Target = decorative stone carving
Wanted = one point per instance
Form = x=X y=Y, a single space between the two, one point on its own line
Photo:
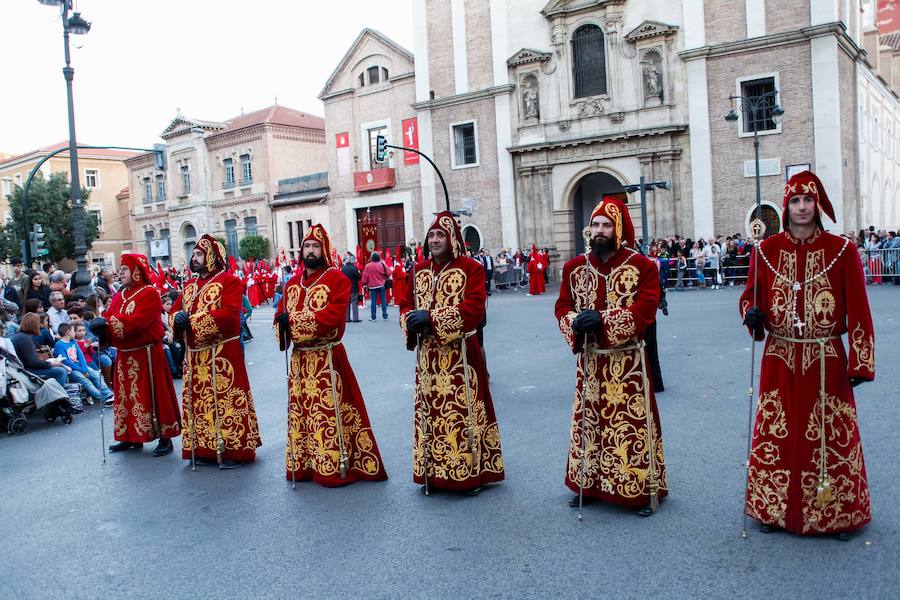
x=652 y=77
x=558 y=39
x=530 y=98
x=590 y=108
x=564 y=125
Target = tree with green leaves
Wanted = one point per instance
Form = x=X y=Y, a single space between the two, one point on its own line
x=50 y=204
x=254 y=246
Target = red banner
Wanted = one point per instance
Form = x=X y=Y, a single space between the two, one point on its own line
x=342 y=140
x=410 y=129
x=369 y=239
x=376 y=179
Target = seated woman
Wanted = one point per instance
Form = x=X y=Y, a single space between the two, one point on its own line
x=67 y=349
x=26 y=350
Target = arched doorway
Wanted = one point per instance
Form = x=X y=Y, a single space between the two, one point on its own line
x=472 y=238
x=588 y=193
x=764 y=222
x=189 y=239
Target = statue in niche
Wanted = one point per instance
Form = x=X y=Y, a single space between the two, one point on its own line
x=530 y=101
x=651 y=66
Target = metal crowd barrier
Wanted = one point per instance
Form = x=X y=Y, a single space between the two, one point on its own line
x=508 y=277
x=881 y=266
x=729 y=272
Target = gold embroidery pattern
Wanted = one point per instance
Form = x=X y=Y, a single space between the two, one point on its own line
x=448 y=323
x=187 y=296
x=848 y=487
x=118 y=327
x=315 y=441
x=565 y=326
x=619 y=326
x=204 y=327
x=819 y=323
x=767 y=500
x=210 y=296
x=441 y=380
x=130 y=308
x=770 y=416
x=863 y=348
x=129 y=401
x=617 y=460
x=622 y=286
x=584 y=287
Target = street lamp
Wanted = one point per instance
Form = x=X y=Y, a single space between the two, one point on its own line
x=751 y=106
x=77 y=25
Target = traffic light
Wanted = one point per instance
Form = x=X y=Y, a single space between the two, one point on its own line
x=159 y=156
x=380 y=149
x=38 y=246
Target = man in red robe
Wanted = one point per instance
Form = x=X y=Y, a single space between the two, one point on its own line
x=330 y=443
x=221 y=425
x=456 y=442
x=806 y=289
x=536 y=280
x=146 y=407
x=607 y=299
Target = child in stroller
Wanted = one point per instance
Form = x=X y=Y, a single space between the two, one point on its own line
x=23 y=393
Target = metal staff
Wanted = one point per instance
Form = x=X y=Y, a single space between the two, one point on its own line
x=190 y=403
x=287 y=377
x=752 y=378
x=102 y=430
x=419 y=400
x=586 y=234
x=344 y=459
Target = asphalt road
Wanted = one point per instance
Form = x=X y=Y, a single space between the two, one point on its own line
x=71 y=527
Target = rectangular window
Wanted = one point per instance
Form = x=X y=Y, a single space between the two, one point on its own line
x=228 y=165
x=250 y=225
x=373 y=75
x=246 y=172
x=290 y=235
x=148 y=191
x=99 y=215
x=185 y=179
x=464 y=149
x=7 y=186
x=761 y=118
x=231 y=236
x=91 y=178
x=160 y=188
x=373 y=145
x=148 y=237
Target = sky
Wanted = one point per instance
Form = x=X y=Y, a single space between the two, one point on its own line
x=142 y=61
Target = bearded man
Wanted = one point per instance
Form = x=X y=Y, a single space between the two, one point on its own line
x=806 y=289
x=330 y=440
x=218 y=404
x=607 y=300
x=145 y=407
x=456 y=441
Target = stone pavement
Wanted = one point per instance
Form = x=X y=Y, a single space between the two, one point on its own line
x=144 y=527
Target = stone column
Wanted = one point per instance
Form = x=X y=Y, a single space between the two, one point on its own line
x=543 y=204
x=525 y=204
x=665 y=205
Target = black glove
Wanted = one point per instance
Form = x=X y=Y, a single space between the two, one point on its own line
x=587 y=321
x=754 y=319
x=182 y=320
x=418 y=321
x=855 y=381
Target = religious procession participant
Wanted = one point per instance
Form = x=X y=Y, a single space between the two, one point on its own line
x=145 y=407
x=537 y=283
x=456 y=442
x=607 y=299
x=330 y=443
x=220 y=421
x=807 y=289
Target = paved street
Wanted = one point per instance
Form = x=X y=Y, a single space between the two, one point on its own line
x=143 y=527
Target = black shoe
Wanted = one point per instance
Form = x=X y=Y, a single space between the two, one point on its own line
x=584 y=501
x=474 y=491
x=357 y=321
x=766 y=528
x=666 y=312
x=843 y=536
x=202 y=462
x=231 y=464
x=122 y=446
x=645 y=512
x=163 y=447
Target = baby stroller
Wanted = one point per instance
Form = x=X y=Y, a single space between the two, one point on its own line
x=23 y=393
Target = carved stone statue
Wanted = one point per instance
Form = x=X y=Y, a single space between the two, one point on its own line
x=530 y=102
x=651 y=66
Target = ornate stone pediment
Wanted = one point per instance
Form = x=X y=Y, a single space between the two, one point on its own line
x=566 y=7
x=651 y=29
x=527 y=56
x=181 y=124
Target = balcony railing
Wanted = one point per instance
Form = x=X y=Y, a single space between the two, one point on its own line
x=247 y=181
x=376 y=179
x=227 y=184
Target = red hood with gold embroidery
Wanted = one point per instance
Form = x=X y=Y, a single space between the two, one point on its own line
x=446 y=222
x=139 y=265
x=613 y=209
x=318 y=234
x=806 y=182
x=214 y=254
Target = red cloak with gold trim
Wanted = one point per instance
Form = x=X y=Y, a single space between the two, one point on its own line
x=214 y=306
x=454 y=295
x=625 y=291
x=146 y=406
x=317 y=309
x=785 y=460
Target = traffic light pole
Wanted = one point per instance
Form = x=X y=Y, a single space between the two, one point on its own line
x=26 y=258
x=431 y=162
x=642 y=187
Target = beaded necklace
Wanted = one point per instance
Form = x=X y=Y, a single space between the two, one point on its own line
x=797 y=285
x=306 y=286
x=605 y=278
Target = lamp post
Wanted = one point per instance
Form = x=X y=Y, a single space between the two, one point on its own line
x=77 y=25
x=643 y=186
x=751 y=106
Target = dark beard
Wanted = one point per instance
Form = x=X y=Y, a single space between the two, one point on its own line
x=602 y=246
x=197 y=268
x=313 y=263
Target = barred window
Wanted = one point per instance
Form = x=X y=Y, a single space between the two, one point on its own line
x=588 y=61
x=761 y=118
x=464 y=148
x=228 y=165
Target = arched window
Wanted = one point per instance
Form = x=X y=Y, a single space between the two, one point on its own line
x=588 y=61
